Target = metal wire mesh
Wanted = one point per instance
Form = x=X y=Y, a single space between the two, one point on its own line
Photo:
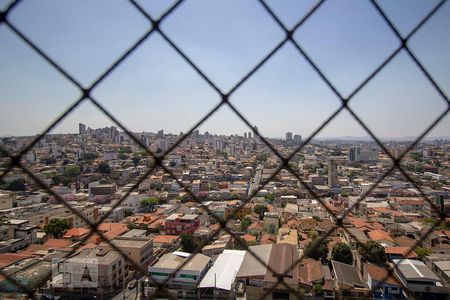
x=155 y=29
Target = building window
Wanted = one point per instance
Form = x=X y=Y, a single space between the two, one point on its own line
x=159 y=274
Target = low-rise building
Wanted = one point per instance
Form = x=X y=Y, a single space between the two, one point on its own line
x=271 y=222
x=387 y=286
x=348 y=281
x=98 y=269
x=177 y=224
x=219 y=280
x=255 y=279
x=185 y=282
x=31 y=273
x=419 y=280
x=138 y=249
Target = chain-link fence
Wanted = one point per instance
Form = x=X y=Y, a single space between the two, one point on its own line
x=158 y=159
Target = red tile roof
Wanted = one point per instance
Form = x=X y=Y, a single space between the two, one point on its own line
x=380 y=235
x=57 y=243
x=76 y=232
x=404 y=251
x=165 y=239
x=309 y=270
x=249 y=238
x=380 y=274
x=10 y=258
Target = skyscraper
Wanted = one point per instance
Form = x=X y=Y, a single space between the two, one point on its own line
x=332 y=174
x=82 y=128
x=288 y=136
x=297 y=139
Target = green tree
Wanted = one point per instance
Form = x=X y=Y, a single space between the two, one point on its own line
x=312 y=234
x=44 y=198
x=125 y=150
x=56 y=227
x=317 y=251
x=342 y=253
x=123 y=156
x=429 y=221
x=16 y=185
x=422 y=252
x=317 y=289
x=372 y=252
x=72 y=171
x=188 y=242
x=136 y=160
x=260 y=210
x=245 y=223
x=150 y=202
x=270 y=197
x=127 y=212
x=344 y=194
x=104 y=168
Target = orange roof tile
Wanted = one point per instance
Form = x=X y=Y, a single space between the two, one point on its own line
x=309 y=270
x=380 y=274
x=255 y=226
x=406 y=252
x=110 y=226
x=165 y=239
x=57 y=243
x=249 y=238
x=268 y=239
x=10 y=258
x=379 y=235
x=76 y=232
x=404 y=241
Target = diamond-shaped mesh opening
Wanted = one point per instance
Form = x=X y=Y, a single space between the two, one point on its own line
x=282 y=279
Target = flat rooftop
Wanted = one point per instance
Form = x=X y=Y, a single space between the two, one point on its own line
x=172 y=261
x=416 y=270
x=130 y=242
x=90 y=256
x=173 y=217
x=135 y=233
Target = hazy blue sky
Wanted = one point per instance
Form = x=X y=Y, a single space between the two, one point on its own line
x=155 y=89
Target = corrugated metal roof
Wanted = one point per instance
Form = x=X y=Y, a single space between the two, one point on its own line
x=251 y=266
x=223 y=273
x=415 y=270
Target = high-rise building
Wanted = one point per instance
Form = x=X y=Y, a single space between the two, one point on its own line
x=144 y=140
x=363 y=155
x=195 y=134
x=249 y=134
x=332 y=174
x=297 y=139
x=354 y=152
x=245 y=135
x=160 y=134
x=81 y=128
x=288 y=136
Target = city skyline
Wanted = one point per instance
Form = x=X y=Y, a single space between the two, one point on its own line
x=365 y=138
x=155 y=88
